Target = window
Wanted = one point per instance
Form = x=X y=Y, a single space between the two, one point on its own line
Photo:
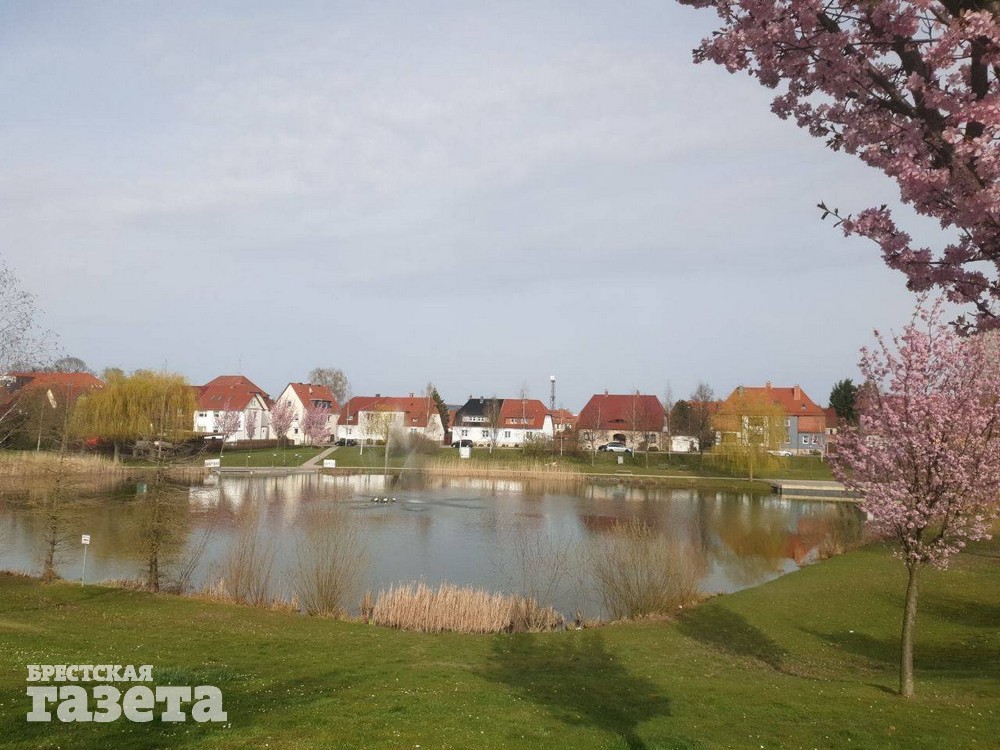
x=465 y=433
x=203 y=414
x=486 y=433
x=506 y=433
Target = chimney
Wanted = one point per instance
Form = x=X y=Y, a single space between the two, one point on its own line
x=605 y=391
x=768 y=385
x=411 y=394
x=797 y=393
x=378 y=395
x=740 y=389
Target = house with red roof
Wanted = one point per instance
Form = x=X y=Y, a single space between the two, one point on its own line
x=805 y=421
x=22 y=393
x=636 y=419
x=367 y=419
x=229 y=394
x=301 y=396
x=502 y=422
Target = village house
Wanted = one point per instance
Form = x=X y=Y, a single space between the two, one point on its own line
x=40 y=398
x=370 y=419
x=232 y=394
x=301 y=396
x=502 y=422
x=635 y=419
x=805 y=421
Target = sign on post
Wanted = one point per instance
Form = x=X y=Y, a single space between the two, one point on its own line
x=621 y=460
x=329 y=463
x=85 y=541
x=213 y=463
x=464 y=451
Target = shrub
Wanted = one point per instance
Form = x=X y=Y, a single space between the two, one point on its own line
x=641 y=573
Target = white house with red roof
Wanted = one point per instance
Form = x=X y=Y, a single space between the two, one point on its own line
x=232 y=393
x=301 y=396
x=635 y=419
x=367 y=418
x=505 y=423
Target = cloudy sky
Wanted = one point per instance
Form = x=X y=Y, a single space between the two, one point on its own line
x=480 y=195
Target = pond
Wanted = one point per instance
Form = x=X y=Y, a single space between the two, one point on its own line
x=501 y=535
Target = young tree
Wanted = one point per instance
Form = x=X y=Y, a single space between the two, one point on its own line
x=227 y=424
x=909 y=87
x=590 y=429
x=282 y=417
x=315 y=423
x=752 y=428
x=842 y=398
x=333 y=379
x=925 y=455
x=492 y=411
x=250 y=426
x=703 y=410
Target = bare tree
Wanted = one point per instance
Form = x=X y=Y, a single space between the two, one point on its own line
x=590 y=429
x=69 y=364
x=333 y=379
x=21 y=342
x=702 y=409
x=492 y=412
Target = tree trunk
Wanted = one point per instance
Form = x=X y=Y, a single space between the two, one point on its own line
x=909 y=626
x=118 y=451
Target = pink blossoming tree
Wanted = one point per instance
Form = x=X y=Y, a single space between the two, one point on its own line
x=925 y=455
x=227 y=424
x=910 y=87
x=282 y=416
x=315 y=423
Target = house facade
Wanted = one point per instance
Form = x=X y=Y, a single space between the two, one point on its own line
x=502 y=422
x=301 y=396
x=636 y=419
x=805 y=421
x=228 y=394
x=369 y=419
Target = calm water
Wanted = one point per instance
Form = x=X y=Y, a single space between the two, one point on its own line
x=494 y=534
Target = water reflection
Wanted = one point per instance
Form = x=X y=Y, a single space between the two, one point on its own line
x=509 y=535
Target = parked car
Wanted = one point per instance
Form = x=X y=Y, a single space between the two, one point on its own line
x=346 y=442
x=780 y=453
x=614 y=447
x=463 y=443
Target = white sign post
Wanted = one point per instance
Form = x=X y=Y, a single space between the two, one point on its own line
x=329 y=463
x=85 y=541
x=213 y=463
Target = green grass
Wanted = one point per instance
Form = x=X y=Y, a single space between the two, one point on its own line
x=277 y=457
x=807 y=661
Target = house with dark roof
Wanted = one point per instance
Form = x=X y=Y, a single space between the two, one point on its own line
x=301 y=396
x=805 y=421
x=636 y=419
x=49 y=392
x=232 y=394
x=502 y=422
x=369 y=419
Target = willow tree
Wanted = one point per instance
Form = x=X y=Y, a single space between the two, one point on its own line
x=752 y=428
x=147 y=405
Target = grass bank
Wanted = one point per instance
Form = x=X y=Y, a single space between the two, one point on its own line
x=807 y=661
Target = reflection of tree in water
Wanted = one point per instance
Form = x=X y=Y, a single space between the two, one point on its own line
x=747 y=538
x=581 y=683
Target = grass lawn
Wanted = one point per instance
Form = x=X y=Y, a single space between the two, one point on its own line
x=290 y=456
x=807 y=661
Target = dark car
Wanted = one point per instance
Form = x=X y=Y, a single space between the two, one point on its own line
x=346 y=442
x=464 y=443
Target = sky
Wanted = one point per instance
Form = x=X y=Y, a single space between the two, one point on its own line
x=478 y=195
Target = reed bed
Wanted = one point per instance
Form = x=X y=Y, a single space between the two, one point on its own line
x=454 y=466
x=34 y=464
x=220 y=592
x=451 y=608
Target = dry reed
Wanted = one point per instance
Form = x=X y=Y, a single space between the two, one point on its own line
x=30 y=463
x=457 y=609
x=248 y=567
x=641 y=573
